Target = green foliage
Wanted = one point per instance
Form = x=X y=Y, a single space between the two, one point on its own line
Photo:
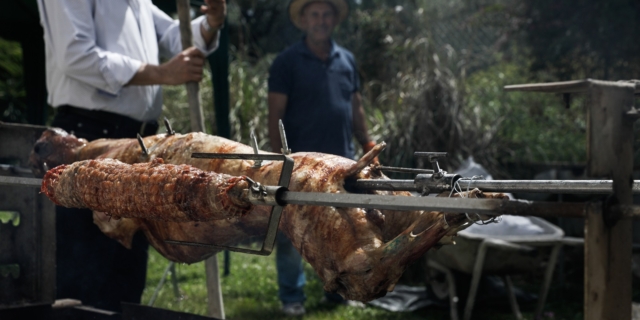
x=413 y=90
x=418 y=97
x=250 y=292
x=176 y=105
x=522 y=127
x=12 y=92
x=248 y=102
x=12 y=217
x=578 y=39
x=249 y=108
x=260 y=27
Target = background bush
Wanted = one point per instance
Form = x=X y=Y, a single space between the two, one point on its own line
x=419 y=94
x=432 y=74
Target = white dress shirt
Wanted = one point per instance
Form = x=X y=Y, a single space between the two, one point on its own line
x=95 y=47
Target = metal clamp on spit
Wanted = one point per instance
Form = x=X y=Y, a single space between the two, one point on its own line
x=265 y=195
x=437 y=182
x=258 y=193
x=425 y=182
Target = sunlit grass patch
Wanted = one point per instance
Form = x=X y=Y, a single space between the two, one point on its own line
x=251 y=292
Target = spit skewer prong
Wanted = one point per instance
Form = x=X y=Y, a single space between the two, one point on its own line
x=167 y=125
x=406 y=170
x=145 y=151
x=433 y=158
x=254 y=144
x=283 y=137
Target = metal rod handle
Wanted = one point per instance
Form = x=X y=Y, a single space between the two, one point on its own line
x=19 y=181
x=453 y=205
x=523 y=186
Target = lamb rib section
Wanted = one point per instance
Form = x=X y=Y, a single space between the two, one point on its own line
x=154 y=190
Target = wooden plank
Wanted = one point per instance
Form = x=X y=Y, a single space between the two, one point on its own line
x=552 y=87
x=46 y=211
x=608 y=242
x=31 y=244
x=609 y=133
x=607 y=268
x=574 y=86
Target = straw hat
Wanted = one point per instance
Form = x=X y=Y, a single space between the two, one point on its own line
x=295 y=9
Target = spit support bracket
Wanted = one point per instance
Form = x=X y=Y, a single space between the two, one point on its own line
x=263 y=195
x=436 y=183
x=439 y=180
x=433 y=158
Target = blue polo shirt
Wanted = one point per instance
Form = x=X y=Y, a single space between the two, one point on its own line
x=318 y=115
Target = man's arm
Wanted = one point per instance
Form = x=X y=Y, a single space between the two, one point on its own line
x=70 y=35
x=360 y=123
x=187 y=65
x=215 y=12
x=184 y=67
x=168 y=30
x=277 y=106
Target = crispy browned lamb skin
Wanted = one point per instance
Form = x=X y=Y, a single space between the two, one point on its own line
x=357 y=253
x=154 y=190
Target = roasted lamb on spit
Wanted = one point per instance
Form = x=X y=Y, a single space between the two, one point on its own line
x=357 y=253
x=152 y=190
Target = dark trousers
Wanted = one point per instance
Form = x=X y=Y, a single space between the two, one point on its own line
x=92 y=267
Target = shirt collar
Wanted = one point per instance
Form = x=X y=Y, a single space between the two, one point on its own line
x=303 y=49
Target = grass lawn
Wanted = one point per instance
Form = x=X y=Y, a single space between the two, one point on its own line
x=250 y=292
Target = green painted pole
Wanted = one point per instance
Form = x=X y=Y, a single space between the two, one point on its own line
x=219 y=63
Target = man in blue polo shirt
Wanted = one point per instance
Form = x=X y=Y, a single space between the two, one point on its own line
x=314 y=88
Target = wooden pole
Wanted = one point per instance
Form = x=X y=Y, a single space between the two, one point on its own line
x=219 y=63
x=215 y=306
x=608 y=240
x=214 y=293
x=193 y=89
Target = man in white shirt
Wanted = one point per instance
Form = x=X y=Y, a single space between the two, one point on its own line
x=103 y=77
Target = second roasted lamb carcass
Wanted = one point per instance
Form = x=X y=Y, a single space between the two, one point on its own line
x=357 y=253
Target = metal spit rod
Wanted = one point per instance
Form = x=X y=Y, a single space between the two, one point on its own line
x=20 y=181
x=529 y=186
x=453 y=205
x=493 y=207
x=549 y=186
x=278 y=196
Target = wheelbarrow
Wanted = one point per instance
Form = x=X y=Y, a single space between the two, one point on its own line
x=482 y=250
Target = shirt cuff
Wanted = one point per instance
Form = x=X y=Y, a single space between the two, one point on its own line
x=117 y=70
x=198 y=40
